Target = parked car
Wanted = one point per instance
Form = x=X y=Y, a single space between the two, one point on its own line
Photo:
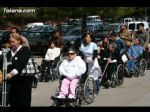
x=4 y=36
x=73 y=38
x=31 y=25
x=64 y=27
x=99 y=35
x=115 y=27
x=134 y=25
x=94 y=26
x=38 y=38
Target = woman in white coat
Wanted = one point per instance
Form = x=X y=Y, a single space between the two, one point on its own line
x=71 y=69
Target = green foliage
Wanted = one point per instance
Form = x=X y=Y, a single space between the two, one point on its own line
x=59 y=13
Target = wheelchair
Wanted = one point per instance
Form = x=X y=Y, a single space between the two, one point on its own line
x=50 y=73
x=67 y=102
x=141 y=67
x=84 y=94
x=116 y=78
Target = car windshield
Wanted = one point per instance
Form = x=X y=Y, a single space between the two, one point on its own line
x=132 y=26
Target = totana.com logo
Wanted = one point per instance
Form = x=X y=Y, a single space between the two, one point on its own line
x=6 y=10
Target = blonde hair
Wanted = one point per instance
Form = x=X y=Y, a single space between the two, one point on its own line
x=16 y=37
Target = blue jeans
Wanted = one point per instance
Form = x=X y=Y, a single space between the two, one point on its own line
x=131 y=65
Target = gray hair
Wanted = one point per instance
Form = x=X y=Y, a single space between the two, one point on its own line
x=114 y=45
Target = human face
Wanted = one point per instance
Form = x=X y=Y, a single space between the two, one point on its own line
x=14 y=43
x=71 y=55
x=13 y=31
x=136 y=42
x=87 y=39
x=111 y=47
x=52 y=45
x=140 y=28
x=113 y=38
x=105 y=39
x=123 y=27
x=57 y=34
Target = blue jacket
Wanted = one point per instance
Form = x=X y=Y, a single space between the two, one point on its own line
x=135 y=51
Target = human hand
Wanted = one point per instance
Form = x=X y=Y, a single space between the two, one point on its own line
x=102 y=48
x=8 y=76
x=98 y=57
x=109 y=59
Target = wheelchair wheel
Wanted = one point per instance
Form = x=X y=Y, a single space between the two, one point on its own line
x=114 y=80
x=104 y=82
x=126 y=72
x=79 y=96
x=120 y=75
x=57 y=69
x=89 y=87
x=142 y=67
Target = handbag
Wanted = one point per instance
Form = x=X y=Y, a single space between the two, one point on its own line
x=31 y=68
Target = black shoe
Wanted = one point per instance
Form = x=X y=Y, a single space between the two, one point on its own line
x=34 y=84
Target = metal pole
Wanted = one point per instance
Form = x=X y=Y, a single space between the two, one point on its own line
x=4 y=78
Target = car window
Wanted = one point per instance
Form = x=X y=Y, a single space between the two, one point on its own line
x=50 y=29
x=45 y=29
x=131 y=26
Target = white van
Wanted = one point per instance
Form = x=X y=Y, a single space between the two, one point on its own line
x=134 y=25
x=126 y=20
x=93 y=18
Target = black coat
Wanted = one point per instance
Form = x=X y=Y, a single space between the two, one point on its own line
x=19 y=62
x=20 y=87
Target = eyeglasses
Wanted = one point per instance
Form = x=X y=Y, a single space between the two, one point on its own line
x=71 y=53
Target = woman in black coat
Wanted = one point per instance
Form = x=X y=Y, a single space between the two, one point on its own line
x=20 y=86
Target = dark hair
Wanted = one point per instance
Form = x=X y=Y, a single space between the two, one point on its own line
x=140 y=24
x=17 y=30
x=114 y=33
x=55 y=31
x=53 y=40
x=72 y=49
x=88 y=32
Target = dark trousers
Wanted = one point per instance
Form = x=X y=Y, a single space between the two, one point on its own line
x=19 y=94
x=109 y=70
x=97 y=84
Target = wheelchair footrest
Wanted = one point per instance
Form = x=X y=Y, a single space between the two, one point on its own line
x=64 y=99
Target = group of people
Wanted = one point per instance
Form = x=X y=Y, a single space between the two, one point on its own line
x=112 y=48
x=89 y=61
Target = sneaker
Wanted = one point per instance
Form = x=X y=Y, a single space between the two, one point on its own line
x=61 y=96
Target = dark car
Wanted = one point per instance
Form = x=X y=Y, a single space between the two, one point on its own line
x=99 y=35
x=64 y=27
x=38 y=38
x=73 y=38
x=4 y=36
